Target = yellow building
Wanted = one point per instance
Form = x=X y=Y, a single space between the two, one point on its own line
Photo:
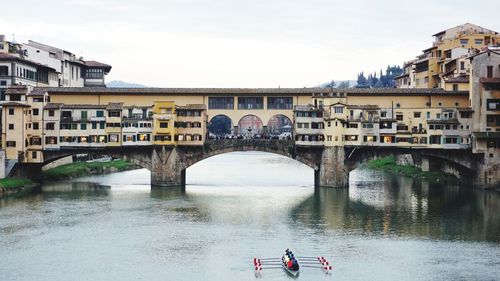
x=164 y=130
x=444 y=64
x=191 y=124
x=114 y=124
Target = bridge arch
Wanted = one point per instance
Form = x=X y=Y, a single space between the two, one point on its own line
x=279 y=124
x=250 y=125
x=220 y=125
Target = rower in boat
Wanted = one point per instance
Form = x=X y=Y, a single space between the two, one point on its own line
x=290 y=263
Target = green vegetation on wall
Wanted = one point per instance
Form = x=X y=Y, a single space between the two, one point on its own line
x=81 y=169
x=389 y=164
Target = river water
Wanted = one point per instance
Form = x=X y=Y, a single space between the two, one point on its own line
x=243 y=205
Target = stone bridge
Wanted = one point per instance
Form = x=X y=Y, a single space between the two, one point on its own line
x=331 y=165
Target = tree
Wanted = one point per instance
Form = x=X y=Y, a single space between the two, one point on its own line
x=343 y=85
x=362 y=82
x=331 y=84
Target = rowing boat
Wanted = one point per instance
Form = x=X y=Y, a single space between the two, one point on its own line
x=284 y=260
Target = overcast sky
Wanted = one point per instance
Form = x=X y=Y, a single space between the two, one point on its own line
x=233 y=43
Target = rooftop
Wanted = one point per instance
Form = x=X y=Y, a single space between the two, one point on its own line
x=53 y=106
x=246 y=91
x=16 y=90
x=114 y=106
x=96 y=64
x=83 y=106
x=191 y=106
x=11 y=103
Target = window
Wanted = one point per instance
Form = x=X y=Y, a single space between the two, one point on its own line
x=338 y=109
x=399 y=116
x=491 y=104
x=94 y=73
x=4 y=70
x=11 y=111
x=114 y=114
x=50 y=126
x=51 y=113
x=101 y=125
x=368 y=125
x=416 y=114
x=35 y=141
x=113 y=138
x=113 y=125
x=221 y=103
x=279 y=103
x=83 y=126
x=489 y=71
x=83 y=115
x=66 y=114
x=450 y=140
x=455 y=87
x=36 y=126
x=11 y=126
x=464 y=41
x=351 y=137
x=386 y=125
x=143 y=137
x=99 y=113
x=35 y=111
x=250 y=102
x=50 y=140
x=163 y=138
x=398 y=105
x=435 y=139
x=428 y=115
x=383 y=114
x=94 y=125
x=11 y=144
x=163 y=124
x=33 y=154
x=478 y=41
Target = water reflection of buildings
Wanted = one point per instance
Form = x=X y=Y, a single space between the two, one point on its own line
x=410 y=209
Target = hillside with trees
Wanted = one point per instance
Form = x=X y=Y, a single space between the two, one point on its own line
x=382 y=81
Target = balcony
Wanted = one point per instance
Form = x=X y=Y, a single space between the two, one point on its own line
x=97 y=119
x=164 y=116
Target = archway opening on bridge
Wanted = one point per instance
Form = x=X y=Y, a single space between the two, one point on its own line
x=250 y=126
x=220 y=126
x=279 y=125
x=267 y=169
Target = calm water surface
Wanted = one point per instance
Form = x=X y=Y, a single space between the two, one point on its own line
x=243 y=205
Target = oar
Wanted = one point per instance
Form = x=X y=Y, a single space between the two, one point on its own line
x=311 y=261
x=259 y=263
x=310 y=257
x=323 y=267
x=267 y=258
x=257 y=268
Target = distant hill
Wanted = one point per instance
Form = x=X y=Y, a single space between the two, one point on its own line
x=351 y=83
x=122 y=84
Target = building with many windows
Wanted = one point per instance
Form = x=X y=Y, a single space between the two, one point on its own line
x=308 y=129
x=40 y=65
x=445 y=64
